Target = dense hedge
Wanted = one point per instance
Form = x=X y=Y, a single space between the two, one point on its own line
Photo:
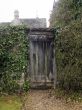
x=69 y=56
x=13 y=57
x=67 y=18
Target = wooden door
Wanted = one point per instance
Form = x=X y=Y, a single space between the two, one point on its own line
x=41 y=60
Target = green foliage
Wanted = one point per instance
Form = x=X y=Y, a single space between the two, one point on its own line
x=69 y=57
x=68 y=96
x=66 y=11
x=26 y=86
x=13 y=56
x=68 y=19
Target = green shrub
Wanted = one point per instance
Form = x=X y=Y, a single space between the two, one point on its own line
x=69 y=56
x=13 y=56
x=26 y=86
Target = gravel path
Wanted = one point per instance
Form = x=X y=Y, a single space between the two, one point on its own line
x=45 y=100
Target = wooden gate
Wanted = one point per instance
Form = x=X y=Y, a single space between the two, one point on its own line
x=42 y=58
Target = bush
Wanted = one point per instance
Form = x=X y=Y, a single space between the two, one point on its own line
x=69 y=56
x=13 y=56
x=26 y=86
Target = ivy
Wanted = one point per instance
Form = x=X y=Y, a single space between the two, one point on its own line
x=13 y=56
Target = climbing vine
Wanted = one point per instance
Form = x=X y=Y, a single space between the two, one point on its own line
x=13 y=57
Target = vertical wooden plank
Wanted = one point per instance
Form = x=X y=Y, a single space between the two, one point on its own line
x=36 y=74
x=34 y=61
x=48 y=59
x=51 y=63
x=45 y=62
x=43 y=48
x=40 y=61
x=54 y=68
x=31 y=74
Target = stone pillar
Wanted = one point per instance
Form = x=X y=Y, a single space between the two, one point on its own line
x=16 y=20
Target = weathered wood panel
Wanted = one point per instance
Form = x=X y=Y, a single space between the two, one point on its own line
x=42 y=58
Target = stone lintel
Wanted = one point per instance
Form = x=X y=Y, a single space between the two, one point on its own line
x=45 y=34
x=40 y=30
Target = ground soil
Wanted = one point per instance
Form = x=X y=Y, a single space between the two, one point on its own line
x=46 y=100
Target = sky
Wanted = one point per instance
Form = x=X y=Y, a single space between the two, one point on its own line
x=26 y=8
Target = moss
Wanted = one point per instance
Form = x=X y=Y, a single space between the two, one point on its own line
x=10 y=103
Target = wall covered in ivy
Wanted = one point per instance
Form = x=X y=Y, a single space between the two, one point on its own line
x=13 y=57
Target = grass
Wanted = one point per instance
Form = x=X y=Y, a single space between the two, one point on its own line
x=9 y=102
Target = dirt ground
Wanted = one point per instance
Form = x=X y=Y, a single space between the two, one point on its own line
x=45 y=100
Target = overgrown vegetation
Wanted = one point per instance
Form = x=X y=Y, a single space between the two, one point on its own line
x=68 y=96
x=13 y=57
x=67 y=18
